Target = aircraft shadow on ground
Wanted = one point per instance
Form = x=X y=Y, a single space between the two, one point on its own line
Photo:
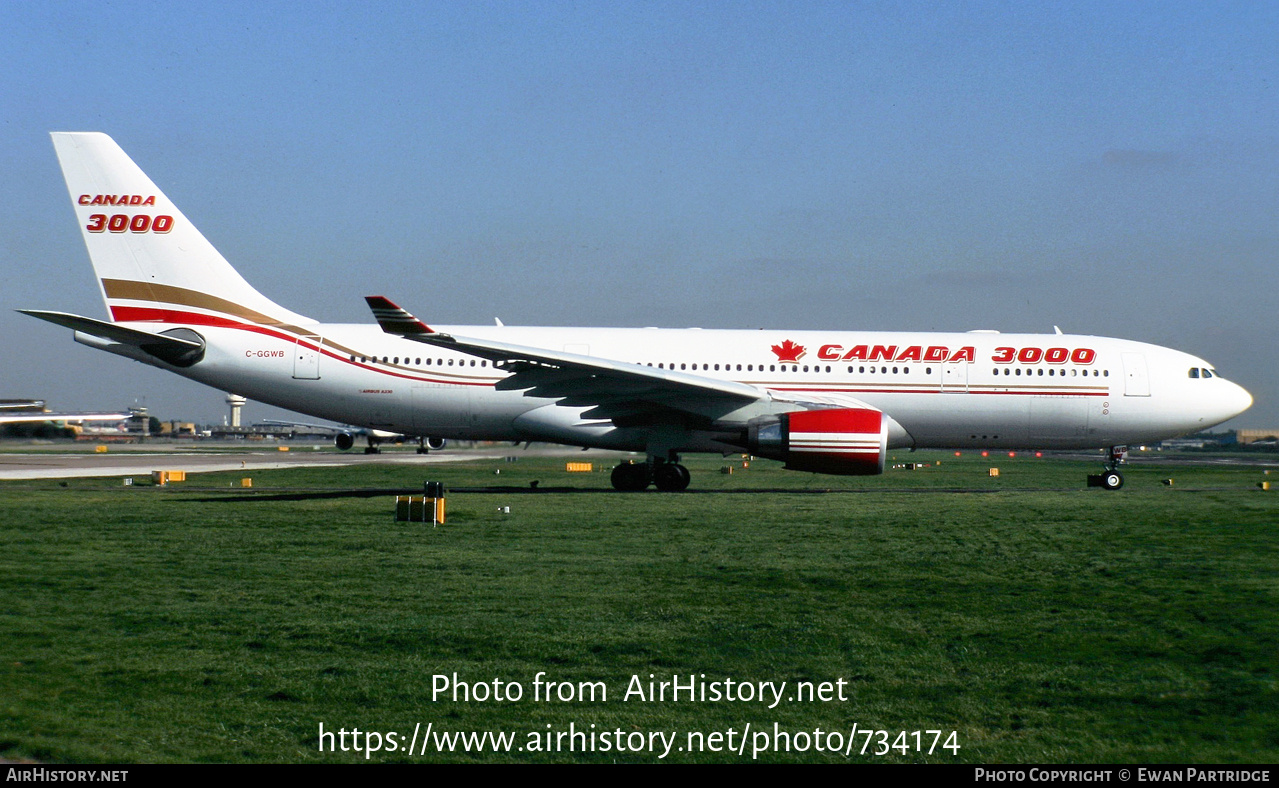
x=312 y=495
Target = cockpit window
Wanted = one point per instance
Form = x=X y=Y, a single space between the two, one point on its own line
x=1207 y=373
x=1200 y=372
x=1194 y=372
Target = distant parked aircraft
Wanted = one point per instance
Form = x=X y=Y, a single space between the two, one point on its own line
x=346 y=435
x=14 y=411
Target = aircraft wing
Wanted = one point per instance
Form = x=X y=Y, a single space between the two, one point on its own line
x=616 y=390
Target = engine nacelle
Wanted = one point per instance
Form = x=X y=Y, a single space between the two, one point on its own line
x=435 y=444
x=344 y=440
x=843 y=441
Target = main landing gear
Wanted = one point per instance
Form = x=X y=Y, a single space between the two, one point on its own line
x=665 y=475
x=1112 y=479
x=426 y=444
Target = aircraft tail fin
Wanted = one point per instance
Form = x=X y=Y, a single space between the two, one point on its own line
x=151 y=263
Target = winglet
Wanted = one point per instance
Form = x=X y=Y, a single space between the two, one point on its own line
x=395 y=320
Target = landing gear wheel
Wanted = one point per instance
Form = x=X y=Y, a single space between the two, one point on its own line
x=1112 y=479
x=372 y=450
x=629 y=477
x=671 y=477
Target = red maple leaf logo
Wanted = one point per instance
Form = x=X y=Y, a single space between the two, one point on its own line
x=788 y=351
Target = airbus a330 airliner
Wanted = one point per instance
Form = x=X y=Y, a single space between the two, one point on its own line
x=821 y=401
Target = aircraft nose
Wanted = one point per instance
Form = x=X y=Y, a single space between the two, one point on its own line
x=1240 y=400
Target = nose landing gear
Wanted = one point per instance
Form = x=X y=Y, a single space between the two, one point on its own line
x=1112 y=479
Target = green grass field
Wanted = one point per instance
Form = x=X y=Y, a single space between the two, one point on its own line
x=1039 y=620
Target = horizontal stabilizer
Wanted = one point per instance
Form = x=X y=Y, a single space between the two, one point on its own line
x=179 y=351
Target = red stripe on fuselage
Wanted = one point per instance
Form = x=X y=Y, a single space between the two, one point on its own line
x=137 y=314
x=144 y=314
x=852 y=389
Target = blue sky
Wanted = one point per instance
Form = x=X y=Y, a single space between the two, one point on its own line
x=1109 y=168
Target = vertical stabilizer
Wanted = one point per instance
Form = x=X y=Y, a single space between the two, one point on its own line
x=151 y=263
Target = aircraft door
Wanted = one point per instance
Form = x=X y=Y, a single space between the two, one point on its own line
x=306 y=358
x=1136 y=376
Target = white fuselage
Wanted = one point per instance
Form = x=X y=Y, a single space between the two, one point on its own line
x=978 y=389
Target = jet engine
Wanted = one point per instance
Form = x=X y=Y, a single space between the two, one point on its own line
x=344 y=440
x=843 y=441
